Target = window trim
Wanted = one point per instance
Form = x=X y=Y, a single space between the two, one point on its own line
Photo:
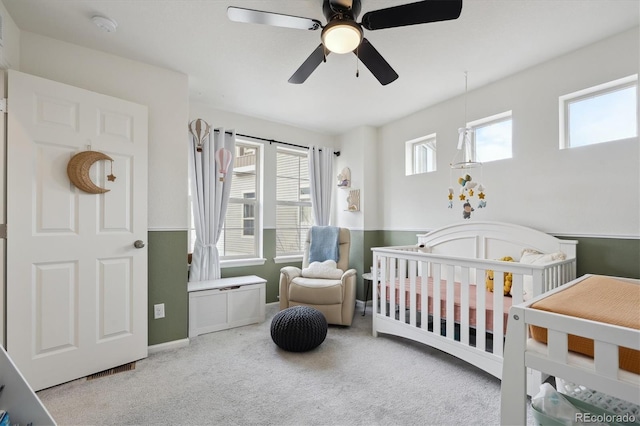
x=410 y=145
x=590 y=92
x=485 y=122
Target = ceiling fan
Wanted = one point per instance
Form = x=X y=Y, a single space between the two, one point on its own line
x=342 y=34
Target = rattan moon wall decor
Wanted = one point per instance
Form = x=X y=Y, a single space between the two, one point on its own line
x=78 y=171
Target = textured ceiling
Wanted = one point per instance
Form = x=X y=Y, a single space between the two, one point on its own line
x=244 y=68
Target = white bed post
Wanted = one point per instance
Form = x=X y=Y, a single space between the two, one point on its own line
x=514 y=373
x=377 y=270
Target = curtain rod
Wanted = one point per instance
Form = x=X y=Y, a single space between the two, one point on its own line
x=336 y=153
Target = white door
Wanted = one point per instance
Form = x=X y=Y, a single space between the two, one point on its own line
x=76 y=284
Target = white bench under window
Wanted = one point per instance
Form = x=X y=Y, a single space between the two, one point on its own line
x=224 y=303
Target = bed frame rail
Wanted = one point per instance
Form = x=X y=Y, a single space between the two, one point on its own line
x=602 y=374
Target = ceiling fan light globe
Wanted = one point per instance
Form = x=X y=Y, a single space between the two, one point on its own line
x=342 y=36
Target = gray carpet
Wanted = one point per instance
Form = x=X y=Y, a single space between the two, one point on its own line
x=240 y=377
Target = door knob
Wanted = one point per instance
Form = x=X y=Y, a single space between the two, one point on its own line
x=138 y=244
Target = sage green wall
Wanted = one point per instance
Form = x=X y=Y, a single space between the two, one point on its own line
x=608 y=256
x=167 y=252
x=168 y=271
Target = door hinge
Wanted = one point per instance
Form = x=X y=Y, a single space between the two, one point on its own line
x=3 y=231
x=3 y=105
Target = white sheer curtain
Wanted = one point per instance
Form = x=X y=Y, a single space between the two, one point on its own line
x=321 y=183
x=210 y=197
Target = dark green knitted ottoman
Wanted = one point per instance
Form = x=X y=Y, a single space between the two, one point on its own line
x=298 y=329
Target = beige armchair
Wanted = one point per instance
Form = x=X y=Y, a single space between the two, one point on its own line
x=335 y=298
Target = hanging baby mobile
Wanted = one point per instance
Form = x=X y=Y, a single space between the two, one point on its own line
x=468 y=188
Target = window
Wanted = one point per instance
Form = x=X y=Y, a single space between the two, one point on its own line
x=248 y=215
x=604 y=113
x=420 y=155
x=241 y=233
x=491 y=138
x=293 y=202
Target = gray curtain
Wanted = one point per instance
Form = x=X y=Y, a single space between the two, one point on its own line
x=321 y=183
x=209 y=197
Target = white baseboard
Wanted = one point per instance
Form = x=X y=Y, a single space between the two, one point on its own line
x=174 y=344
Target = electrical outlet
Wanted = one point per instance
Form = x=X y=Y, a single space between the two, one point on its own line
x=158 y=311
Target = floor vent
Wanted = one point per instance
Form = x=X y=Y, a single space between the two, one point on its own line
x=111 y=371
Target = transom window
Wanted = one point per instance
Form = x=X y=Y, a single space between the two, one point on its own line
x=603 y=113
x=420 y=155
x=293 y=201
x=491 y=138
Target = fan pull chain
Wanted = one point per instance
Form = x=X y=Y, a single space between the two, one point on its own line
x=357 y=63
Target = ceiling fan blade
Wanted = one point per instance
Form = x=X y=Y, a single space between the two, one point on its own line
x=309 y=65
x=420 y=12
x=378 y=66
x=238 y=14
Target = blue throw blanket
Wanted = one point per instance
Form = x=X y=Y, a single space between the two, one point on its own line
x=324 y=244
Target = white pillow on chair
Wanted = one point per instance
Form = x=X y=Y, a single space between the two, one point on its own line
x=327 y=269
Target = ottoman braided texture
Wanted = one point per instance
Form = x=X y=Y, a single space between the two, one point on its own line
x=298 y=329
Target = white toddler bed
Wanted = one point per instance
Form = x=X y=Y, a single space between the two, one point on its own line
x=601 y=372
x=445 y=265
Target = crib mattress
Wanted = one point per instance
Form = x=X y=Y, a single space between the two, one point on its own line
x=596 y=298
x=506 y=301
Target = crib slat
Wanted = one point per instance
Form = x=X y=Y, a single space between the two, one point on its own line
x=392 y=292
x=437 y=274
x=402 y=276
x=424 y=301
x=451 y=319
x=498 y=313
x=412 y=292
x=464 y=306
x=383 y=288
x=481 y=313
x=516 y=289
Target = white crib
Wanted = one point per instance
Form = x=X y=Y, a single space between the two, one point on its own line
x=446 y=264
x=600 y=373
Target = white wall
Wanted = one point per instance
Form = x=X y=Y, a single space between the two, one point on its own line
x=359 y=154
x=10 y=57
x=263 y=129
x=582 y=191
x=164 y=92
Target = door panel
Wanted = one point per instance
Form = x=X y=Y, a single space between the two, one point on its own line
x=76 y=285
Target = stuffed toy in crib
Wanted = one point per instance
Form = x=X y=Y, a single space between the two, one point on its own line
x=508 y=278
